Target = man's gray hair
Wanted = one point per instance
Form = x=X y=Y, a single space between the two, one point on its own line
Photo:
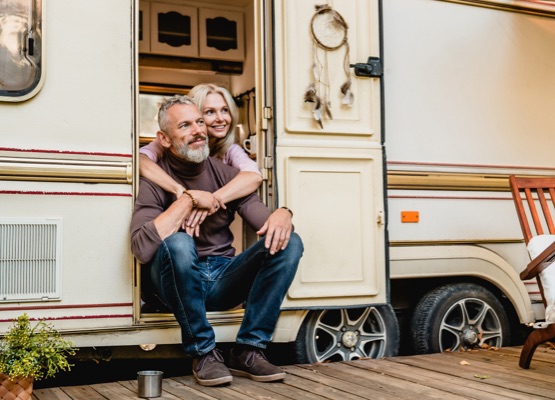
x=166 y=104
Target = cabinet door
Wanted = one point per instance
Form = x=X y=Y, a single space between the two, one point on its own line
x=221 y=34
x=173 y=30
x=144 y=27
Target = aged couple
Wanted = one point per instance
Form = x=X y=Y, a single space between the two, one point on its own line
x=194 y=179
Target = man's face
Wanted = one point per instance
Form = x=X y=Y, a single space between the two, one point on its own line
x=186 y=136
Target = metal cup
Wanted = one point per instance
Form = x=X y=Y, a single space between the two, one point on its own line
x=149 y=383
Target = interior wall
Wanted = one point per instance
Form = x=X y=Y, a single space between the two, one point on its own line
x=246 y=81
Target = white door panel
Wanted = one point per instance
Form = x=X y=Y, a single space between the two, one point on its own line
x=339 y=215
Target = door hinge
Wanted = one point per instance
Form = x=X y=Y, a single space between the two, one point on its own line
x=267 y=114
x=268 y=162
x=380 y=219
x=371 y=69
x=268 y=165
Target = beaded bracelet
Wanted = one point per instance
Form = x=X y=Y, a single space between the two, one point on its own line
x=192 y=198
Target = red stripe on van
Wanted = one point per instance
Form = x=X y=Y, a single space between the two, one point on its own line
x=92 y=153
x=59 y=306
x=64 y=193
x=108 y=316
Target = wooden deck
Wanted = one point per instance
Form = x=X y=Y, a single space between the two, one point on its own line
x=480 y=374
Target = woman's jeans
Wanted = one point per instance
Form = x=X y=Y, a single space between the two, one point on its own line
x=190 y=286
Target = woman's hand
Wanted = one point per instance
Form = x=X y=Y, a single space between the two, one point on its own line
x=207 y=204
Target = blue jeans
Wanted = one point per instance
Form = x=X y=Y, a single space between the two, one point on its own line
x=190 y=286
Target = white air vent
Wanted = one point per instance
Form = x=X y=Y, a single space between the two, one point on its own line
x=30 y=259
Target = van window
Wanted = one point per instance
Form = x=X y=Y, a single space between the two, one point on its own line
x=20 y=49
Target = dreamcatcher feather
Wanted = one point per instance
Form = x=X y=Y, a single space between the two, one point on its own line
x=329 y=32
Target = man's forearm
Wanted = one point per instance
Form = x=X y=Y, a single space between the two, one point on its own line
x=171 y=220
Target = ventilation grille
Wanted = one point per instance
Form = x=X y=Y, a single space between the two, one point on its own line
x=29 y=259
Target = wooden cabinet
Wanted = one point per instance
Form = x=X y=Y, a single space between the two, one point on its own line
x=221 y=34
x=173 y=30
x=188 y=31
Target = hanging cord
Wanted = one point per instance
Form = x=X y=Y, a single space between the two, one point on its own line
x=348 y=97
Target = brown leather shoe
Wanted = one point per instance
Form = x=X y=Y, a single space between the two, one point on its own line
x=210 y=370
x=253 y=364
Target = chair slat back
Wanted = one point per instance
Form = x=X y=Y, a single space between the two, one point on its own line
x=527 y=192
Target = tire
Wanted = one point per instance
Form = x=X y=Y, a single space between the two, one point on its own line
x=458 y=317
x=348 y=334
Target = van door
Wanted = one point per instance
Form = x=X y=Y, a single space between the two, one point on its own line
x=321 y=137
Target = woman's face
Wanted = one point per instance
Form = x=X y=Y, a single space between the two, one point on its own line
x=216 y=115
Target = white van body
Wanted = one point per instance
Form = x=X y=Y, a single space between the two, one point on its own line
x=399 y=194
x=467 y=101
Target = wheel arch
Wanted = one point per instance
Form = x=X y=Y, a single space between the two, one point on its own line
x=438 y=265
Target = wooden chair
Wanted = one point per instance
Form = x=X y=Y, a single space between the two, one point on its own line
x=527 y=193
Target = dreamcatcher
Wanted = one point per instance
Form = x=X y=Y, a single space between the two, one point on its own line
x=329 y=33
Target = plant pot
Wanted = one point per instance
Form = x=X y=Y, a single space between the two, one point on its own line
x=15 y=389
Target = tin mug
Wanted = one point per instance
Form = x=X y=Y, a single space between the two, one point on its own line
x=149 y=383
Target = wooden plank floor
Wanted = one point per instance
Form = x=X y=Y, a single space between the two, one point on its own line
x=480 y=374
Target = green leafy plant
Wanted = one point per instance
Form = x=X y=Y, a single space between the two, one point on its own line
x=37 y=351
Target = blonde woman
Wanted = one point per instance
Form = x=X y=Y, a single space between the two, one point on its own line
x=220 y=116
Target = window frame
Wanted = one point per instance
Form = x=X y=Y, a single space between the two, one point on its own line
x=32 y=51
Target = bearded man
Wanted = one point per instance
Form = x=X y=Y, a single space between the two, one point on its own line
x=192 y=274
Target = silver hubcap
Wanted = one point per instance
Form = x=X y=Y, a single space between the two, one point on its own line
x=469 y=323
x=470 y=337
x=342 y=335
x=349 y=339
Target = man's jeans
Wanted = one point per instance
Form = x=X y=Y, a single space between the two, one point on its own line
x=190 y=287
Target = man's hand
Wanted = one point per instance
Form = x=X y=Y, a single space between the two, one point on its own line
x=172 y=219
x=277 y=228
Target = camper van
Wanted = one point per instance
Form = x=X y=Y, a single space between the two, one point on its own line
x=389 y=127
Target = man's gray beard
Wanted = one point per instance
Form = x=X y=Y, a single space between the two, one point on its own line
x=194 y=155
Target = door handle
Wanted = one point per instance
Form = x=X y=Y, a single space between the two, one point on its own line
x=371 y=69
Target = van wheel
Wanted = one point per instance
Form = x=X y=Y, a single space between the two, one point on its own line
x=348 y=334
x=458 y=317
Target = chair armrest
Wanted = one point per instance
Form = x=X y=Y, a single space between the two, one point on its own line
x=538 y=264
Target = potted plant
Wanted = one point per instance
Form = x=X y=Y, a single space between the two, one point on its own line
x=28 y=353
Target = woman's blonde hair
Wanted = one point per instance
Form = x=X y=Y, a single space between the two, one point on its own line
x=218 y=147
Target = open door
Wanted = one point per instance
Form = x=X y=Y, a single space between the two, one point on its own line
x=322 y=143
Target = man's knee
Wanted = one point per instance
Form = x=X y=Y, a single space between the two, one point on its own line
x=295 y=245
x=179 y=243
x=292 y=254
